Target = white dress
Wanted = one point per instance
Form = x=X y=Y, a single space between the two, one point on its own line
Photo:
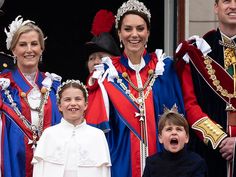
x=65 y=150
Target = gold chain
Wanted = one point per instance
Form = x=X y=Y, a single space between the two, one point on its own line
x=39 y=108
x=140 y=101
x=37 y=131
x=148 y=84
x=215 y=81
x=126 y=77
x=227 y=44
x=229 y=52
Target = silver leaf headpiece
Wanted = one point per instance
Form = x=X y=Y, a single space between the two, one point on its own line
x=174 y=109
x=13 y=27
x=132 y=5
x=70 y=82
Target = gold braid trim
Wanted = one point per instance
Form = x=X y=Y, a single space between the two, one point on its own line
x=215 y=81
x=211 y=131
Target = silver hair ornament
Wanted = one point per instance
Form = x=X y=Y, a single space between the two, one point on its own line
x=129 y=6
x=69 y=82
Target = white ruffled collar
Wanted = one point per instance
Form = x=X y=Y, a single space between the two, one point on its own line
x=30 y=77
x=111 y=73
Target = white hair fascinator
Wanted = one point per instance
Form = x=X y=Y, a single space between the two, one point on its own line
x=13 y=27
x=68 y=82
x=129 y=6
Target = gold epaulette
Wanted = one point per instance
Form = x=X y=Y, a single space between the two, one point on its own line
x=211 y=131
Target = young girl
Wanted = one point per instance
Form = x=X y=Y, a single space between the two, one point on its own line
x=72 y=148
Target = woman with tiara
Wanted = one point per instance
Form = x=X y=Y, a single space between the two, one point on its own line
x=27 y=99
x=134 y=88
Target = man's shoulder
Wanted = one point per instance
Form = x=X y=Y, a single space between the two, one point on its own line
x=210 y=35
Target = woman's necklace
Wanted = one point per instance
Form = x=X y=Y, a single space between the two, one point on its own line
x=141 y=105
x=140 y=100
x=36 y=130
x=37 y=108
x=148 y=84
x=44 y=94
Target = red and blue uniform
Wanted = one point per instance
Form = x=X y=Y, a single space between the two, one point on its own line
x=122 y=124
x=16 y=152
x=207 y=87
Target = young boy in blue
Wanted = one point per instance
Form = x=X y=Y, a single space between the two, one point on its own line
x=175 y=160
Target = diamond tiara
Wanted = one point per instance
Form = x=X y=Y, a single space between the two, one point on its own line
x=67 y=82
x=13 y=27
x=132 y=5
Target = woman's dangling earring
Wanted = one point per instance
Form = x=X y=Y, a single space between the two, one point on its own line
x=14 y=59
x=146 y=44
x=41 y=58
x=121 y=46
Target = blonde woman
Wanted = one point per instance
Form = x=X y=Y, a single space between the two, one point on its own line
x=28 y=99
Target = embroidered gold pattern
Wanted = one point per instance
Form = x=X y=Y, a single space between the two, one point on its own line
x=210 y=131
x=215 y=81
x=230 y=58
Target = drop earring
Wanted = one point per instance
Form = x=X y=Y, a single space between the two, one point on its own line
x=121 y=46
x=41 y=58
x=146 y=44
x=14 y=59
